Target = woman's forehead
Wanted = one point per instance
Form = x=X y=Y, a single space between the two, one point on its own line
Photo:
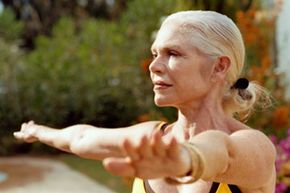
x=170 y=35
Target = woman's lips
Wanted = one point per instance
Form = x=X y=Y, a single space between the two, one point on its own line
x=159 y=85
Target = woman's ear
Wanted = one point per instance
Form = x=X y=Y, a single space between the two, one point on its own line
x=221 y=67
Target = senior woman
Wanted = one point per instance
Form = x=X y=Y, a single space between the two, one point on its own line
x=198 y=58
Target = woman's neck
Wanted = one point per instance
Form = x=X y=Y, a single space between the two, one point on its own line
x=205 y=115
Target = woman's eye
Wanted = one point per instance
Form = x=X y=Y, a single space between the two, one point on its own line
x=173 y=53
x=154 y=55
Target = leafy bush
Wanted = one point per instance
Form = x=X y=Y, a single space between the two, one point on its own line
x=78 y=77
x=10 y=62
x=10 y=29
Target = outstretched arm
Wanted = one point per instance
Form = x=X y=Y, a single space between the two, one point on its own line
x=85 y=140
x=245 y=158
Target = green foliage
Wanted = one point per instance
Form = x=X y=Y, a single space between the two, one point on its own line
x=9 y=28
x=10 y=63
x=78 y=77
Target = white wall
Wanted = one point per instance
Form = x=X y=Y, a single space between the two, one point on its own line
x=283 y=42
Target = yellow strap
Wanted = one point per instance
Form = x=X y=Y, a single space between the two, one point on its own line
x=223 y=188
x=138 y=186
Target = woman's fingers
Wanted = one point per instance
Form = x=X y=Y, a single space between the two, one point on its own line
x=23 y=126
x=27 y=132
x=154 y=147
x=150 y=158
x=18 y=135
x=173 y=148
x=130 y=150
x=145 y=149
x=31 y=122
x=119 y=166
x=24 y=137
x=136 y=152
x=158 y=145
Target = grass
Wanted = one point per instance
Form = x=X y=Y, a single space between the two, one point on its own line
x=95 y=170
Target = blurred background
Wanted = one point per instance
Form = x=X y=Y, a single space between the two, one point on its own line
x=86 y=61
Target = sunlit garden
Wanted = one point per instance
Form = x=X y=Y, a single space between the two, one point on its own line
x=83 y=61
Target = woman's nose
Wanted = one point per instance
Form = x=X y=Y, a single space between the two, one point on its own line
x=156 y=66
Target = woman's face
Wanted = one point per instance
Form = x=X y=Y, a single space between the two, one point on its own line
x=180 y=73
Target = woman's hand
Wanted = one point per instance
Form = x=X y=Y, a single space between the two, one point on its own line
x=27 y=132
x=153 y=157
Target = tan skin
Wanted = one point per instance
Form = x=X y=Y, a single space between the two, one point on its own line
x=191 y=81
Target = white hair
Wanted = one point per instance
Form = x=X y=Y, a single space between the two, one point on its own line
x=217 y=35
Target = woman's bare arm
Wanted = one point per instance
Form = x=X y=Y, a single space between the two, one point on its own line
x=245 y=158
x=85 y=140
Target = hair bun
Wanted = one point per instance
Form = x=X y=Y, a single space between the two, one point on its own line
x=241 y=83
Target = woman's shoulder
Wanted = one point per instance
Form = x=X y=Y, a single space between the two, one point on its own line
x=239 y=128
x=242 y=131
x=255 y=138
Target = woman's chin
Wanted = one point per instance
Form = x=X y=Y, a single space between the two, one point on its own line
x=162 y=103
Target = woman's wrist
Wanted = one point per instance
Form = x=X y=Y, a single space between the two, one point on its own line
x=195 y=169
x=197 y=160
x=187 y=162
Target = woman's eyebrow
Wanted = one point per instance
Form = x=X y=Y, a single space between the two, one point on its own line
x=174 y=47
x=167 y=47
